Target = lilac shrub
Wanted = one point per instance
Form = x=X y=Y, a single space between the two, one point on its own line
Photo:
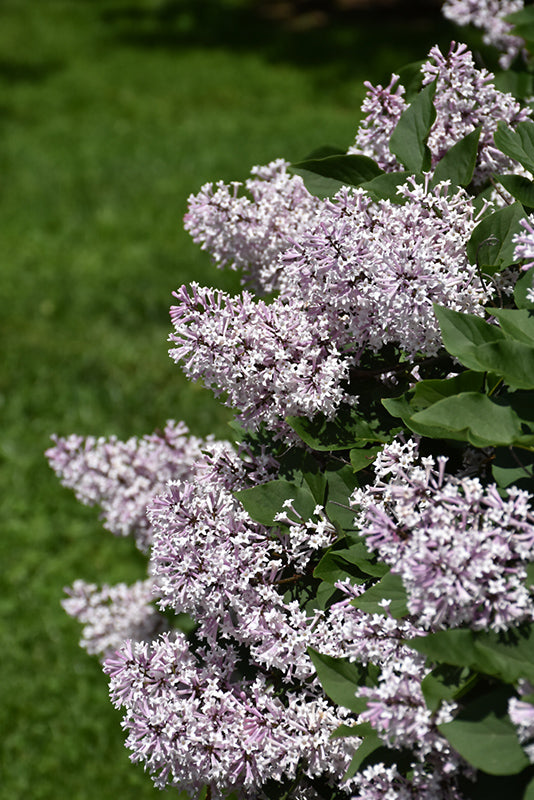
x=339 y=604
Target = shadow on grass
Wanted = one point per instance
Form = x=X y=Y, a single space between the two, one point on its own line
x=19 y=71
x=344 y=41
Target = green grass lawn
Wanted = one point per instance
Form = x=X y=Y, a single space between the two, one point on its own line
x=111 y=114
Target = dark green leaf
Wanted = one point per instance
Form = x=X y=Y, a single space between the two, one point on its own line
x=446 y=682
x=341 y=483
x=512 y=466
x=263 y=502
x=408 y=140
x=458 y=163
x=350 y=170
x=323 y=177
x=484 y=735
x=385 y=187
x=345 y=731
x=361 y=459
x=508 y=656
x=340 y=680
x=411 y=77
x=471 y=417
x=491 y=244
x=518 y=143
x=349 y=429
x=426 y=393
x=520 y=84
x=356 y=561
x=521 y=188
x=522 y=286
x=325 y=150
x=391 y=588
x=370 y=743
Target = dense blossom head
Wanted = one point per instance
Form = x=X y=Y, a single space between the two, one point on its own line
x=461 y=549
x=122 y=477
x=490 y=17
x=192 y=721
x=112 y=614
x=363 y=275
x=248 y=232
x=465 y=99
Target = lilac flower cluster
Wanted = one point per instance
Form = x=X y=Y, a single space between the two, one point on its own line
x=193 y=720
x=362 y=275
x=490 y=17
x=248 y=233
x=122 y=477
x=465 y=99
x=113 y=614
x=461 y=549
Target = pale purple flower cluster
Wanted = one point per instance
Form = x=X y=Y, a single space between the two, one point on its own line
x=490 y=17
x=112 y=614
x=380 y=782
x=362 y=275
x=465 y=99
x=268 y=361
x=194 y=720
x=461 y=549
x=122 y=477
x=249 y=232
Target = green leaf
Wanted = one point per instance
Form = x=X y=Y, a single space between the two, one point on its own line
x=385 y=186
x=484 y=735
x=491 y=244
x=471 y=417
x=520 y=84
x=350 y=170
x=518 y=324
x=458 y=163
x=408 y=140
x=391 y=588
x=362 y=459
x=340 y=679
x=446 y=682
x=486 y=348
x=518 y=143
x=264 y=502
x=529 y=791
x=356 y=561
x=513 y=467
x=521 y=188
x=522 y=286
x=370 y=744
x=349 y=429
x=411 y=77
x=462 y=334
x=508 y=656
x=324 y=177
x=341 y=483
x=426 y=393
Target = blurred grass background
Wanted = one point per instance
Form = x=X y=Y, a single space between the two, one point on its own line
x=111 y=113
